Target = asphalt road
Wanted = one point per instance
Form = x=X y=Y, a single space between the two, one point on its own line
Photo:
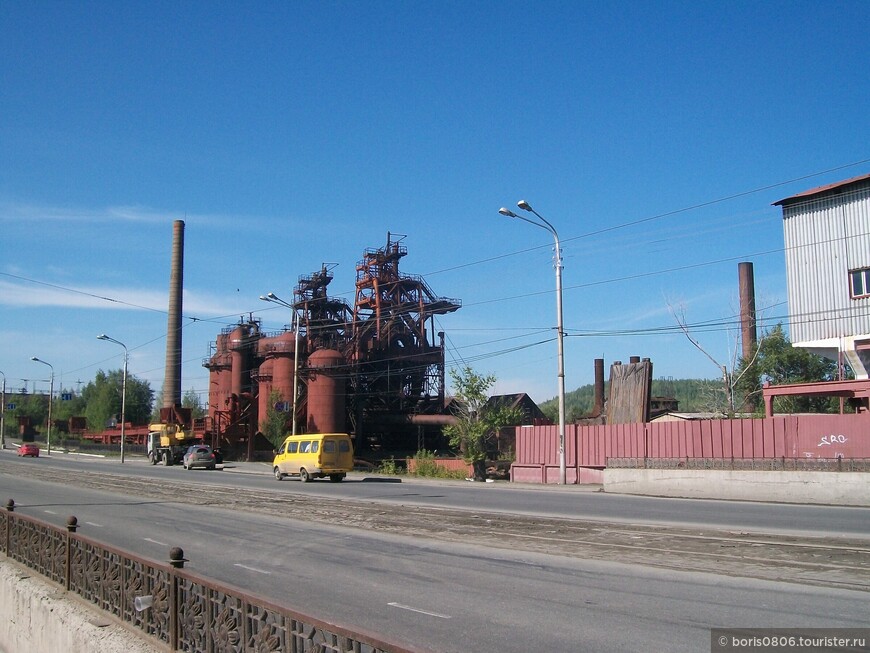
x=440 y=595
x=568 y=502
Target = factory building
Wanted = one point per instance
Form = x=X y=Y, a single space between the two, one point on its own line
x=374 y=369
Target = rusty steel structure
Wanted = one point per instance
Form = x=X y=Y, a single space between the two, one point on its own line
x=374 y=369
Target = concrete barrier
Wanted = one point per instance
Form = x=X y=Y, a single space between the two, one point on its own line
x=827 y=488
x=36 y=617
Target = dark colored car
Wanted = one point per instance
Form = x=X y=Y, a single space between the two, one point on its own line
x=29 y=449
x=199 y=455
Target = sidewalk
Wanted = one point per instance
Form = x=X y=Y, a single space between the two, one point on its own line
x=240 y=467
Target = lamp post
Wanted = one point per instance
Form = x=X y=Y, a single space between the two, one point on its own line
x=3 y=415
x=545 y=224
x=272 y=297
x=103 y=336
x=50 y=396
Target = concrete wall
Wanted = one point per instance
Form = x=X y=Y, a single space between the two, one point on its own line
x=832 y=488
x=36 y=617
x=550 y=474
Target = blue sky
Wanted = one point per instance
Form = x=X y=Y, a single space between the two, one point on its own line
x=654 y=136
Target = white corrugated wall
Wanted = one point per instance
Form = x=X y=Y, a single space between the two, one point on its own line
x=825 y=237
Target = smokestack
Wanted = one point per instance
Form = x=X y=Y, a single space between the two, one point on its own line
x=749 y=335
x=172 y=377
x=598 y=389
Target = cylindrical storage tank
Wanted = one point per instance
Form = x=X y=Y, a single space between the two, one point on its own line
x=219 y=376
x=327 y=375
x=240 y=346
x=218 y=390
x=284 y=357
x=265 y=390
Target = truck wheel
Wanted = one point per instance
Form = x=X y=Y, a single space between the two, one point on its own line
x=278 y=475
x=152 y=458
x=336 y=478
x=303 y=475
x=166 y=461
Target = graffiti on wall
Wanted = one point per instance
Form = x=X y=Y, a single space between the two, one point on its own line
x=829 y=440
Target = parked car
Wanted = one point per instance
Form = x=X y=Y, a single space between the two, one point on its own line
x=199 y=455
x=29 y=449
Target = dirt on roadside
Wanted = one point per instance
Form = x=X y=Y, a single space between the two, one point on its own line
x=831 y=562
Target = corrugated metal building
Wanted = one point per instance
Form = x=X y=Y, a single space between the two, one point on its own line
x=827 y=242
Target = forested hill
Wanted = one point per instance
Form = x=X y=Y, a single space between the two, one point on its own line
x=693 y=395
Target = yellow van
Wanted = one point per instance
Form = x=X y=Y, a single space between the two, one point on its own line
x=315 y=455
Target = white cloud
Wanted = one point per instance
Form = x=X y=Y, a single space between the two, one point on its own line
x=15 y=212
x=116 y=298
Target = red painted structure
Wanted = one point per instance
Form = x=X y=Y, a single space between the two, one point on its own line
x=857 y=392
x=136 y=434
x=327 y=379
x=588 y=448
x=375 y=370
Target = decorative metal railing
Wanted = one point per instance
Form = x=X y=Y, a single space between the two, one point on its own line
x=184 y=611
x=746 y=464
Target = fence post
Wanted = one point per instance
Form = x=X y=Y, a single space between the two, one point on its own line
x=176 y=561
x=10 y=507
x=72 y=524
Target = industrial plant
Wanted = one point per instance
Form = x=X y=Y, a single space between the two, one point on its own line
x=374 y=369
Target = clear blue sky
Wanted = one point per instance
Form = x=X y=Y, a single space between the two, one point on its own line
x=653 y=135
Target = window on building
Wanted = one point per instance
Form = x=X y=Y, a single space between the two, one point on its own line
x=860 y=282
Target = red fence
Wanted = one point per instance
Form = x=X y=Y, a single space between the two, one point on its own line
x=588 y=448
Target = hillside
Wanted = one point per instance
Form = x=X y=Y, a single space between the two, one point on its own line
x=693 y=395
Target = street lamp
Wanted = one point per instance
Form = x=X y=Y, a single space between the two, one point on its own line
x=123 y=391
x=3 y=415
x=545 y=224
x=272 y=297
x=50 y=396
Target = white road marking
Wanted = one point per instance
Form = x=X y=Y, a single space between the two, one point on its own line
x=50 y=512
x=259 y=571
x=94 y=524
x=148 y=539
x=408 y=607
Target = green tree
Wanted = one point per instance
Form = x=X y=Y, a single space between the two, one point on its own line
x=102 y=398
x=477 y=420
x=275 y=427
x=778 y=362
x=34 y=406
x=156 y=406
x=62 y=409
x=191 y=400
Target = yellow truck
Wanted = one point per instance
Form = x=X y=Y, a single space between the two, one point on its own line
x=166 y=443
x=169 y=438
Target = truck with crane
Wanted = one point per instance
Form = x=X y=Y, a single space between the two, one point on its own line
x=169 y=438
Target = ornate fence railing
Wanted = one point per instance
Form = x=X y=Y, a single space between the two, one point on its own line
x=179 y=609
x=746 y=464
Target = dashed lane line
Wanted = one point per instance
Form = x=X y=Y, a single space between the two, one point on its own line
x=418 y=610
x=259 y=571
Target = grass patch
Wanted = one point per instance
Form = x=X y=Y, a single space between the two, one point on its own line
x=425 y=465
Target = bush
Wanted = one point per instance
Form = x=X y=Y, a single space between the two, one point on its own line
x=425 y=465
x=390 y=467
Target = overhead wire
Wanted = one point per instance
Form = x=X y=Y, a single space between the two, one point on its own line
x=597 y=232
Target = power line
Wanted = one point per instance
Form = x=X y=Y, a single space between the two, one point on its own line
x=658 y=216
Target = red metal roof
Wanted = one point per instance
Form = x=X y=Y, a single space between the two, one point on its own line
x=823 y=189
